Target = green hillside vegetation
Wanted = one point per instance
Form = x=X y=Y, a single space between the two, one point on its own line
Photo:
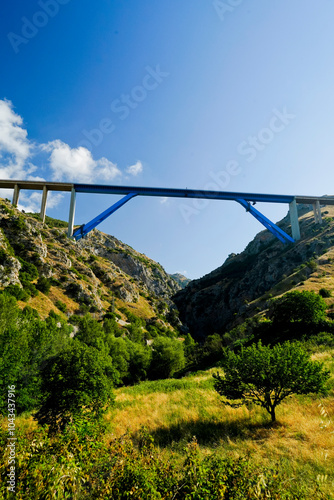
x=146 y=447
x=115 y=399
x=171 y=438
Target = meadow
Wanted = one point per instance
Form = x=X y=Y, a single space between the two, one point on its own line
x=165 y=438
x=174 y=411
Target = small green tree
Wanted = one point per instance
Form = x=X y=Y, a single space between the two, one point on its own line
x=139 y=361
x=167 y=357
x=190 y=349
x=76 y=381
x=299 y=307
x=265 y=376
x=325 y=293
x=213 y=348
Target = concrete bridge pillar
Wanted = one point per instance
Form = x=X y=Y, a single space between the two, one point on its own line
x=317 y=212
x=71 y=214
x=16 y=195
x=43 y=206
x=294 y=220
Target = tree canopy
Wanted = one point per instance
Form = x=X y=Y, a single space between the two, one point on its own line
x=167 y=357
x=299 y=307
x=78 y=380
x=266 y=375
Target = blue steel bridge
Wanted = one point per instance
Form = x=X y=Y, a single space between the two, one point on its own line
x=247 y=200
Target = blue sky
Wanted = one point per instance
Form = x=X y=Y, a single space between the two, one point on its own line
x=234 y=95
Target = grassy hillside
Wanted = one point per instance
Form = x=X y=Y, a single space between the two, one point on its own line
x=174 y=411
x=167 y=421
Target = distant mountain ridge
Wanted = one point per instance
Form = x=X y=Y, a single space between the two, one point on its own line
x=180 y=279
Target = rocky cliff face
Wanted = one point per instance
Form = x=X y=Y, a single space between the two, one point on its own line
x=97 y=271
x=148 y=273
x=241 y=287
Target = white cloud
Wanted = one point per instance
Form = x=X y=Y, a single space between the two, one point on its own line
x=54 y=199
x=135 y=169
x=65 y=163
x=31 y=202
x=107 y=170
x=15 y=147
x=35 y=178
x=77 y=164
x=6 y=193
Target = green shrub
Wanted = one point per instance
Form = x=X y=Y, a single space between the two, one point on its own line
x=73 y=289
x=299 y=307
x=323 y=340
x=27 y=274
x=3 y=256
x=167 y=357
x=43 y=285
x=30 y=270
x=17 y=292
x=19 y=223
x=325 y=292
x=61 y=306
x=79 y=464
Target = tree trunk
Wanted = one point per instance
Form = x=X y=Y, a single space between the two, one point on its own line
x=272 y=413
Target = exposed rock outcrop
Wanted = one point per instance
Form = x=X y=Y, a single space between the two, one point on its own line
x=95 y=273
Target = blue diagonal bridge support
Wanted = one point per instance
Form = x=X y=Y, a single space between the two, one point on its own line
x=277 y=231
x=243 y=198
x=86 y=228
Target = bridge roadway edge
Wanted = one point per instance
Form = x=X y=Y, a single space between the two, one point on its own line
x=74 y=188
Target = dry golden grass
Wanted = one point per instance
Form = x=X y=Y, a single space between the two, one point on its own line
x=302 y=439
x=42 y=304
x=57 y=294
x=46 y=303
x=324 y=356
x=141 y=308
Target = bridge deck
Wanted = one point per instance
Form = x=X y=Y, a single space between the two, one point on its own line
x=164 y=192
x=245 y=199
x=36 y=185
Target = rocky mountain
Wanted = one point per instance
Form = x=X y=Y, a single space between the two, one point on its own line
x=242 y=287
x=94 y=274
x=180 y=279
x=49 y=272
